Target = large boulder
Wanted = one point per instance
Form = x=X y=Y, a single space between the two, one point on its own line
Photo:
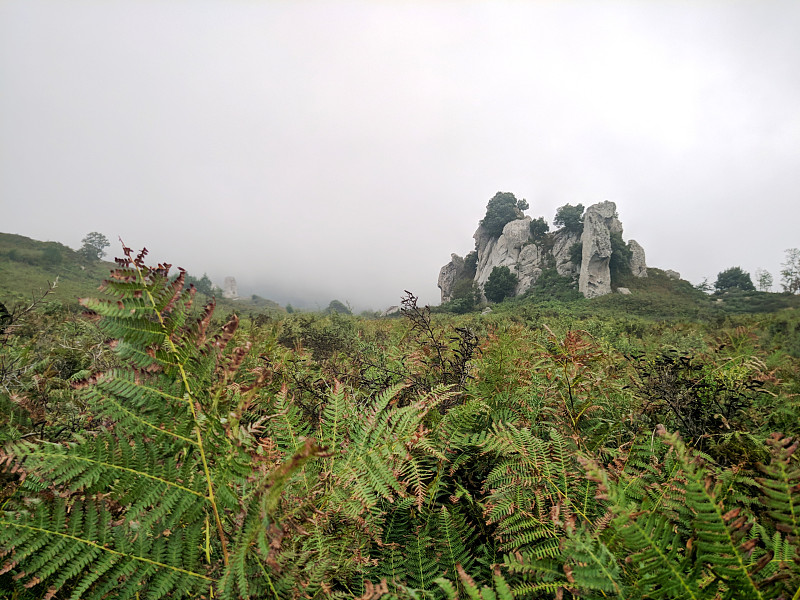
x=503 y=251
x=637 y=263
x=449 y=275
x=599 y=222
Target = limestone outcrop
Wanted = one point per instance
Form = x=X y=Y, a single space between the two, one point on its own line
x=449 y=275
x=527 y=257
x=638 y=266
x=599 y=222
x=229 y=289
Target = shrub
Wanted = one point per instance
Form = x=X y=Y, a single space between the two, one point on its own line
x=734 y=278
x=501 y=284
x=552 y=286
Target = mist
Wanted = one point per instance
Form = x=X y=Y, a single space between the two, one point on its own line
x=320 y=150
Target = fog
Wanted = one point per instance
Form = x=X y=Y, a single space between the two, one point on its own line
x=319 y=150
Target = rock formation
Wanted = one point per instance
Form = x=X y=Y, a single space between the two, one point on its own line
x=229 y=289
x=449 y=275
x=599 y=222
x=638 y=266
x=527 y=258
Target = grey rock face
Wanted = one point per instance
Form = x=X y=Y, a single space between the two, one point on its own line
x=503 y=251
x=527 y=258
x=563 y=241
x=229 y=289
x=638 y=265
x=599 y=222
x=623 y=291
x=449 y=274
x=672 y=274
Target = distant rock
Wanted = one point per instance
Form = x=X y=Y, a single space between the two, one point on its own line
x=638 y=265
x=672 y=274
x=527 y=257
x=230 y=290
x=392 y=310
x=599 y=222
x=563 y=241
x=504 y=252
x=624 y=291
x=487 y=310
x=449 y=275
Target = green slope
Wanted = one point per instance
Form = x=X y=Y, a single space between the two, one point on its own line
x=28 y=266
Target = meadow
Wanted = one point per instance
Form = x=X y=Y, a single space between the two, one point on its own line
x=636 y=447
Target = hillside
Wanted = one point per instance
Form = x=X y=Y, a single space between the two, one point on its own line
x=28 y=266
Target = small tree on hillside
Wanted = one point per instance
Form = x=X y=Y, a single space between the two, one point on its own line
x=501 y=210
x=539 y=228
x=337 y=307
x=570 y=218
x=790 y=274
x=94 y=246
x=734 y=278
x=763 y=279
x=501 y=284
x=620 y=263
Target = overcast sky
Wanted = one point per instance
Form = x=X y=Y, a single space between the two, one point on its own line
x=319 y=150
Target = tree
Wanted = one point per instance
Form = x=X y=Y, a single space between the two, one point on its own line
x=734 y=278
x=570 y=218
x=337 y=307
x=470 y=264
x=501 y=210
x=94 y=246
x=501 y=284
x=539 y=228
x=620 y=263
x=764 y=279
x=790 y=274
x=704 y=286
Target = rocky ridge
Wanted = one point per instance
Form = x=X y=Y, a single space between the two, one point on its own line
x=527 y=257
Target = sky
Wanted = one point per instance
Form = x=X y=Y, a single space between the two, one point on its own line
x=332 y=149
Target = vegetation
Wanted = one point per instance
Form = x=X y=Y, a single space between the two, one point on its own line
x=337 y=306
x=734 y=278
x=633 y=447
x=539 y=229
x=501 y=210
x=790 y=274
x=501 y=284
x=570 y=217
x=619 y=264
x=94 y=246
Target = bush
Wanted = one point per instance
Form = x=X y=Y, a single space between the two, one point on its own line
x=620 y=263
x=552 y=286
x=734 y=278
x=337 y=307
x=501 y=284
x=466 y=296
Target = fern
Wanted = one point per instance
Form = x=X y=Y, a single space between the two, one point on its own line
x=144 y=507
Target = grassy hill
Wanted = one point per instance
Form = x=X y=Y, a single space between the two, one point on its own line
x=28 y=266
